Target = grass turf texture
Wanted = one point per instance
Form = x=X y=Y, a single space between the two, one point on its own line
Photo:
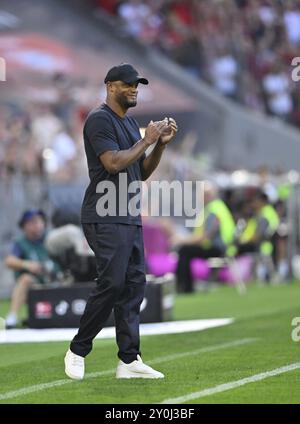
x=264 y=313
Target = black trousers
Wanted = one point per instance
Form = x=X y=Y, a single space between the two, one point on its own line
x=119 y=252
x=183 y=272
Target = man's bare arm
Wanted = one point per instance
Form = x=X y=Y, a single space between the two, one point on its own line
x=17 y=264
x=151 y=162
x=116 y=161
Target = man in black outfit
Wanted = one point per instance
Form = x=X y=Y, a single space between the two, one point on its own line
x=116 y=157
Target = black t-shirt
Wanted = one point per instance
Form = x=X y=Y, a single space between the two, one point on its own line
x=108 y=201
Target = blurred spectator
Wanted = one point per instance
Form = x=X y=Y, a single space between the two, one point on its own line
x=137 y=17
x=45 y=125
x=292 y=22
x=281 y=243
x=224 y=73
x=211 y=238
x=30 y=261
x=276 y=85
x=18 y=152
x=62 y=152
x=258 y=234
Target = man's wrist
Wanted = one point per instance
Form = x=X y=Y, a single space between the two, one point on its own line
x=160 y=145
x=145 y=142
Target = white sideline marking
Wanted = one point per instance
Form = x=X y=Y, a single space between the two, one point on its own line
x=66 y=334
x=39 y=387
x=233 y=384
x=203 y=350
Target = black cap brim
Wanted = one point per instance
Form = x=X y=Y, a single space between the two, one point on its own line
x=138 y=79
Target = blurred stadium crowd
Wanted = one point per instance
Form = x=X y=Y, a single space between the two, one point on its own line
x=43 y=138
x=242 y=48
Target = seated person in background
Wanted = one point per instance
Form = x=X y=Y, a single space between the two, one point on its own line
x=30 y=261
x=258 y=234
x=260 y=227
x=210 y=238
x=246 y=229
x=281 y=242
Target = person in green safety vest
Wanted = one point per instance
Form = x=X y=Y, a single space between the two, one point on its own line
x=211 y=237
x=30 y=261
x=260 y=228
x=280 y=239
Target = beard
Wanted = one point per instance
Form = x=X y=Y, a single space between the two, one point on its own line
x=131 y=103
x=125 y=102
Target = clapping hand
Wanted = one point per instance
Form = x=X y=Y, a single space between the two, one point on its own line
x=169 y=132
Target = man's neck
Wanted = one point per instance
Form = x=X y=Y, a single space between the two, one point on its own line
x=116 y=108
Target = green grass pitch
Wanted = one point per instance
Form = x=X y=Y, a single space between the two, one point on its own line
x=265 y=314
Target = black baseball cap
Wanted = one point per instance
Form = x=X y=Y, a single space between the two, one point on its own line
x=126 y=73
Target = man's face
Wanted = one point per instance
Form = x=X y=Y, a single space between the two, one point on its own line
x=124 y=94
x=34 y=228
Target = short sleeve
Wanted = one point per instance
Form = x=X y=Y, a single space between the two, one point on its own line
x=16 y=250
x=99 y=132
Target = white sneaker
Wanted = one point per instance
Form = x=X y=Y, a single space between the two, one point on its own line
x=74 y=366
x=137 y=369
x=11 y=320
